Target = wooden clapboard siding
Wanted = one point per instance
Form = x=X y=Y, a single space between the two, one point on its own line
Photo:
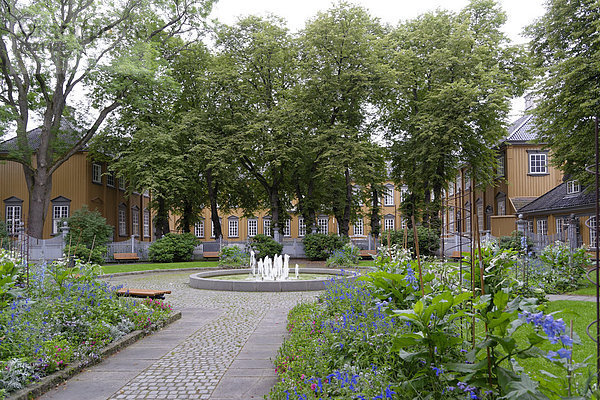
x=522 y=184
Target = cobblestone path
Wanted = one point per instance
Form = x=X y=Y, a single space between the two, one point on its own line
x=194 y=367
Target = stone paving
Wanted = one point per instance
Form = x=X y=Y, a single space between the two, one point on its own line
x=220 y=350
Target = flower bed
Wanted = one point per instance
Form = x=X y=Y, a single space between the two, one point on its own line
x=62 y=316
x=380 y=338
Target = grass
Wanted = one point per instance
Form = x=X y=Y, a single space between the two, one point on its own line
x=116 y=268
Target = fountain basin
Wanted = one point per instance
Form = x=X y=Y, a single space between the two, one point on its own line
x=209 y=281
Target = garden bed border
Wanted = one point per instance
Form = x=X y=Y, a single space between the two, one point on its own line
x=49 y=382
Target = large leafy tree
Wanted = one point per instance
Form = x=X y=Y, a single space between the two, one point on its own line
x=51 y=50
x=451 y=79
x=566 y=48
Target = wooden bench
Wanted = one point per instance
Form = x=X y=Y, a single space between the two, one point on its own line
x=125 y=256
x=210 y=254
x=457 y=255
x=367 y=253
x=153 y=294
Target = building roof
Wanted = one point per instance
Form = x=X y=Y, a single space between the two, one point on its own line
x=522 y=130
x=557 y=200
x=68 y=133
x=520 y=202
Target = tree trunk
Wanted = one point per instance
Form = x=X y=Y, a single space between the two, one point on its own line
x=162 y=218
x=345 y=223
x=275 y=211
x=213 y=190
x=39 y=186
x=186 y=218
x=375 y=226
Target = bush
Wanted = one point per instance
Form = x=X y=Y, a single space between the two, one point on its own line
x=3 y=235
x=264 y=246
x=233 y=257
x=429 y=240
x=318 y=246
x=173 y=248
x=83 y=253
x=514 y=242
x=87 y=228
x=562 y=269
x=346 y=257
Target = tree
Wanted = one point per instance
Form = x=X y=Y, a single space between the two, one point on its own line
x=450 y=82
x=51 y=50
x=566 y=48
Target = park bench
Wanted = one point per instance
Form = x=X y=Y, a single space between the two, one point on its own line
x=367 y=253
x=125 y=256
x=210 y=254
x=457 y=255
x=153 y=294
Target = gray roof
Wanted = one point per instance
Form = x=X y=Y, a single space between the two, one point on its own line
x=522 y=130
x=557 y=199
x=68 y=134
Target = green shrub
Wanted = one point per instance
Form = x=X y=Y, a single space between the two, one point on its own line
x=345 y=257
x=429 y=240
x=562 y=269
x=514 y=242
x=233 y=257
x=318 y=246
x=173 y=247
x=83 y=253
x=88 y=228
x=3 y=235
x=264 y=246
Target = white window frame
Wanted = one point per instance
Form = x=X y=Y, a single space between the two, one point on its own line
x=591 y=223
x=212 y=227
x=59 y=212
x=233 y=228
x=403 y=193
x=122 y=222
x=267 y=226
x=122 y=184
x=199 y=229
x=323 y=225
x=135 y=222
x=467 y=217
x=301 y=227
x=501 y=207
x=287 y=228
x=480 y=216
x=573 y=187
x=110 y=179
x=97 y=173
x=388 y=196
x=146 y=223
x=542 y=226
x=359 y=227
x=561 y=225
x=252 y=227
x=389 y=223
x=538 y=163
x=500 y=172
x=13 y=219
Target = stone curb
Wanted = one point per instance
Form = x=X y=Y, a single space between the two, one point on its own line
x=156 y=271
x=48 y=383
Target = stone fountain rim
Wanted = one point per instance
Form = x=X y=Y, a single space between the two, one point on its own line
x=201 y=280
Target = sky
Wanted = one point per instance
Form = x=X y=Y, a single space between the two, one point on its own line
x=520 y=13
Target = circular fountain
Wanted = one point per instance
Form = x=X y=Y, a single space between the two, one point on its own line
x=267 y=275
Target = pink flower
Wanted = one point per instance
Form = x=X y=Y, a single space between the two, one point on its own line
x=313 y=386
x=302 y=376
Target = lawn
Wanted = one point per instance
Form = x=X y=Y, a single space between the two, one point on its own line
x=116 y=268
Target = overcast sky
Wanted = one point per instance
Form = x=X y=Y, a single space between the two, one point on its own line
x=520 y=13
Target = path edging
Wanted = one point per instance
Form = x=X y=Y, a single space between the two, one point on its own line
x=51 y=381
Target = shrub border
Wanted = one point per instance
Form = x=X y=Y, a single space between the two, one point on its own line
x=49 y=382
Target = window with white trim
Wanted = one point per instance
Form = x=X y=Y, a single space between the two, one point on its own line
x=403 y=193
x=267 y=227
x=287 y=228
x=542 y=226
x=500 y=167
x=96 y=173
x=560 y=225
x=389 y=223
x=388 y=196
x=110 y=179
x=121 y=184
x=59 y=213
x=451 y=220
x=147 y=223
x=122 y=222
x=480 y=219
x=233 y=225
x=467 y=217
x=591 y=223
x=538 y=163
x=451 y=189
x=573 y=187
x=212 y=227
x=359 y=227
x=301 y=227
x=13 y=219
x=252 y=227
x=135 y=221
x=199 y=229
x=403 y=223
x=356 y=192
x=530 y=225
x=501 y=207
x=323 y=225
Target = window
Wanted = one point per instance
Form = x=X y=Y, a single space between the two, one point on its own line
x=267 y=226
x=451 y=189
x=451 y=220
x=389 y=223
x=199 y=229
x=542 y=226
x=122 y=222
x=323 y=224
x=560 y=225
x=403 y=193
x=591 y=222
x=480 y=220
x=110 y=179
x=147 y=223
x=530 y=225
x=388 y=197
x=403 y=222
x=233 y=227
x=502 y=207
x=573 y=187
x=356 y=192
x=60 y=211
x=96 y=173
x=13 y=219
x=252 y=227
x=212 y=227
x=287 y=228
x=538 y=163
x=135 y=221
x=458 y=184
x=121 y=184
x=147 y=194
x=467 y=180
x=359 y=228
x=467 y=217
x=301 y=227
x=500 y=167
